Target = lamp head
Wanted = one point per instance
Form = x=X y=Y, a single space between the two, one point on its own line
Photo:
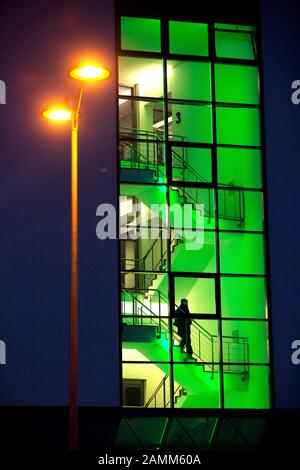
x=59 y=112
x=89 y=72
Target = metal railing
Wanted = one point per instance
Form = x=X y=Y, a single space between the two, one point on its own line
x=161 y=397
x=235 y=349
x=143 y=149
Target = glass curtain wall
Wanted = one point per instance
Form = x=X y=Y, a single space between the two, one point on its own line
x=191 y=217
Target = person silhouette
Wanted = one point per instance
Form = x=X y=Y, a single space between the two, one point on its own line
x=183 y=323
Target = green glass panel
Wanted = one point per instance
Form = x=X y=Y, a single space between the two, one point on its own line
x=147 y=377
x=185 y=258
x=196 y=386
x=251 y=392
x=191 y=164
x=202 y=337
x=238 y=126
x=242 y=253
x=140 y=338
x=147 y=195
x=190 y=432
x=243 y=297
x=240 y=210
x=239 y=167
x=140 y=34
x=234 y=27
x=188 y=38
x=236 y=84
x=143 y=76
x=184 y=201
x=245 y=341
x=189 y=80
x=200 y=293
x=204 y=343
x=234 y=45
x=191 y=123
x=143 y=120
x=141 y=162
x=149 y=431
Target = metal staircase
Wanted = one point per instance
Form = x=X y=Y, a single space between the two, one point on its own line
x=205 y=345
x=143 y=150
x=161 y=397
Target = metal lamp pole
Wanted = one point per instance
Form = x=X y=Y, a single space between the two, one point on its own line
x=89 y=71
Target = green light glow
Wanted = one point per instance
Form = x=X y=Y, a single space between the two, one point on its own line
x=188 y=38
x=180 y=146
x=140 y=34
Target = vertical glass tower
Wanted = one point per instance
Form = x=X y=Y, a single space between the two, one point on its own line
x=190 y=138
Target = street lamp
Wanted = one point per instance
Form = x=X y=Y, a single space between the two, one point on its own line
x=60 y=112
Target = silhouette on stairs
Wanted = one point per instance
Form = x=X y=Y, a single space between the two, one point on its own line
x=148 y=331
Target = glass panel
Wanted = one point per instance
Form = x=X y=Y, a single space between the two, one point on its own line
x=199 y=292
x=234 y=27
x=189 y=80
x=149 y=288
x=240 y=210
x=236 y=84
x=193 y=432
x=250 y=392
x=191 y=164
x=242 y=253
x=238 y=126
x=145 y=338
x=243 y=297
x=153 y=381
x=144 y=253
x=140 y=34
x=186 y=199
x=245 y=341
x=190 y=123
x=234 y=45
x=186 y=258
x=143 y=205
x=142 y=302
x=196 y=386
x=143 y=76
x=197 y=341
x=188 y=38
x=142 y=161
x=142 y=120
x=239 y=167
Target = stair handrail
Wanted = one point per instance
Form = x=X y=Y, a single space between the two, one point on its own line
x=190 y=168
x=163 y=326
x=159 y=135
x=145 y=159
x=156 y=391
x=166 y=400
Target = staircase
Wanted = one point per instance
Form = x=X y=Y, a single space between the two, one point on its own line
x=152 y=331
x=146 y=155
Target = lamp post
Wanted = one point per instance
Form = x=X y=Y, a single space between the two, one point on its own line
x=61 y=112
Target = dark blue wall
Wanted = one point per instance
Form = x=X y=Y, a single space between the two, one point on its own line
x=281 y=57
x=39 y=41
